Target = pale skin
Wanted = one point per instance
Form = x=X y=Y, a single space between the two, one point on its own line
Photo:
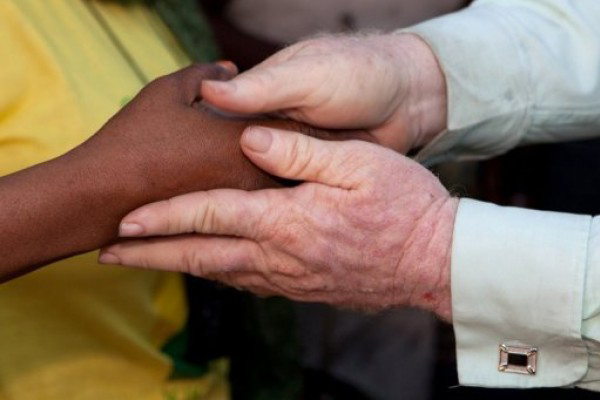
x=367 y=228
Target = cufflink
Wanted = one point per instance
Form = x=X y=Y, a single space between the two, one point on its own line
x=518 y=358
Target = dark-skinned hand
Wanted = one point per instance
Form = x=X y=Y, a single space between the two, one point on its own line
x=165 y=142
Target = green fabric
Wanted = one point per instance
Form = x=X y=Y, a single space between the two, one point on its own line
x=176 y=348
x=187 y=22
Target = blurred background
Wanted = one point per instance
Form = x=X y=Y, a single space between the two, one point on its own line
x=396 y=354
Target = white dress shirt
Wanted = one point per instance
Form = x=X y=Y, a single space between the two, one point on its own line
x=518 y=72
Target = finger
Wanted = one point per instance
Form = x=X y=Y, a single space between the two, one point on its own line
x=292 y=155
x=230 y=66
x=193 y=254
x=218 y=212
x=191 y=78
x=267 y=88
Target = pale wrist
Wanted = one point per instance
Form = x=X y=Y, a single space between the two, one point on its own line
x=428 y=257
x=426 y=102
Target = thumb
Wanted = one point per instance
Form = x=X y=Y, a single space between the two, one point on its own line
x=263 y=89
x=189 y=79
x=292 y=155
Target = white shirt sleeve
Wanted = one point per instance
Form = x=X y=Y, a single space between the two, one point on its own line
x=517 y=72
x=519 y=275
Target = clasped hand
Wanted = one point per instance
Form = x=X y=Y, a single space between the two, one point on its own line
x=368 y=228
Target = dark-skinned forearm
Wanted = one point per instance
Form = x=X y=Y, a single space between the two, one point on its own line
x=73 y=204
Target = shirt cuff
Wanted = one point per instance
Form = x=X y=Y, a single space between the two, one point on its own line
x=518 y=275
x=591 y=311
x=487 y=83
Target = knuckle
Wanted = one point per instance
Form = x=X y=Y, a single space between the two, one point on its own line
x=300 y=155
x=205 y=217
x=191 y=262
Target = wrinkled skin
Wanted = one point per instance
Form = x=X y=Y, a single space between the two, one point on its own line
x=163 y=143
x=368 y=229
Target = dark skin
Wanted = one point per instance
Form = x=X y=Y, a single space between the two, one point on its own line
x=162 y=144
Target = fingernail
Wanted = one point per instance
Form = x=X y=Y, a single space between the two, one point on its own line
x=109 y=258
x=257 y=139
x=228 y=65
x=130 y=229
x=220 y=87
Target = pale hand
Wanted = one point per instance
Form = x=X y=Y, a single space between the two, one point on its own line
x=390 y=85
x=368 y=229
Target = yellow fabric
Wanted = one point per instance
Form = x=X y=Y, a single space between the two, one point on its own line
x=77 y=330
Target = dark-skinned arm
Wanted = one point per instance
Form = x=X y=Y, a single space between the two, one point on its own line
x=164 y=143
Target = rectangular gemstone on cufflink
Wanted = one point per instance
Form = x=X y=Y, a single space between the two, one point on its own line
x=518 y=358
